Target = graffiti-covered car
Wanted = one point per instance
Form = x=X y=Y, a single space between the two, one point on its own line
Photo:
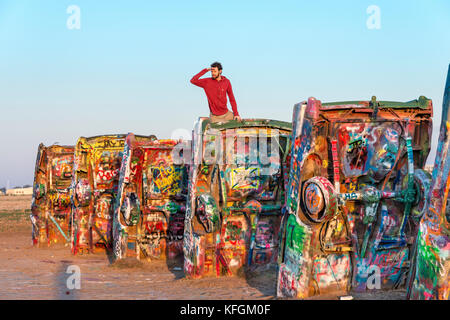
x=50 y=206
x=357 y=191
x=430 y=274
x=151 y=201
x=236 y=194
x=96 y=176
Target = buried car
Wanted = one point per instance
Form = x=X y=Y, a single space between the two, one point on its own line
x=50 y=205
x=356 y=194
x=237 y=183
x=430 y=274
x=150 y=205
x=95 y=181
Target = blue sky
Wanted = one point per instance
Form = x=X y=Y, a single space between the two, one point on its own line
x=127 y=69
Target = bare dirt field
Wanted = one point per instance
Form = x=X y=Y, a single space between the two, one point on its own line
x=14 y=203
x=40 y=273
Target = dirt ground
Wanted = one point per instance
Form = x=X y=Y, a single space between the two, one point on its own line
x=13 y=203
x=40 y=273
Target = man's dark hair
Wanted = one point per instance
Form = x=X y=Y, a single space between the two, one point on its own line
x=216 y=65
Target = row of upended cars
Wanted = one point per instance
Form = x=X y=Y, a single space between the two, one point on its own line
x=337 y=200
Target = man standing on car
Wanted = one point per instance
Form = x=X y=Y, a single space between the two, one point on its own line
x=216 y=88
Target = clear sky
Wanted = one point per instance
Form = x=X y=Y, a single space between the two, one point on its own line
x=127 y=68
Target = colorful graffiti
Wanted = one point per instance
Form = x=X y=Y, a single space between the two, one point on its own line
x=150 y=206
x=431 y=265
x=334 y=198
x=355 y=196
x=236 y=194
x=51 y=206
x=94 y=184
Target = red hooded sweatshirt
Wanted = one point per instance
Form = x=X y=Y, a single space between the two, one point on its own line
x=216 y=92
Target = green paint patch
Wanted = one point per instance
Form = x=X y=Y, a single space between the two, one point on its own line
x=427 y=263
x=295 y=235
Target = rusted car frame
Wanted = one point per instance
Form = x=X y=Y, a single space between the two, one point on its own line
x=50 y=205
x=95 y=181
x=151 y=201
x=357 y=190
x=236 y=195
x=430 y=274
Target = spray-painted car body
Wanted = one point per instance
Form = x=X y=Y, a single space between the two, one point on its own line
x=96 y=176
x=430 y=274
x=356 y=193
x=151 y=201
x=51 y=207
x=236 y=195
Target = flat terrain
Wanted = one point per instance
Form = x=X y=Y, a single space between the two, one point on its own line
x=40 y=273
x=15 y=213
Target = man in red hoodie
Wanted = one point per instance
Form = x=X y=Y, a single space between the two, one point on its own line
x=216 y=88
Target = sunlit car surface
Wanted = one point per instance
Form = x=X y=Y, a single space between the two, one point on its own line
x=431 y=269
x=95 y=181
x=236 y=194
x=355 y=197
x=151 y=200
x=51 y=207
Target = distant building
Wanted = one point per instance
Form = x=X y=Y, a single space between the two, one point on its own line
x=20 y=191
